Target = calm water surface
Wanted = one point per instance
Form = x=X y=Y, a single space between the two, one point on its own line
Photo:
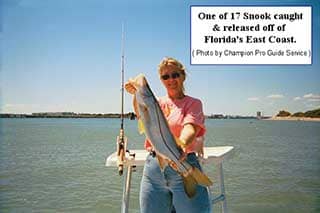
x=57 y=165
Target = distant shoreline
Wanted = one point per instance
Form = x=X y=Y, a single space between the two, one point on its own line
x=129 y=115
x=132 y=116
x=291 y=118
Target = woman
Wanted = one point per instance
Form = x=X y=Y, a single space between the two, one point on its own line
x=163 y=190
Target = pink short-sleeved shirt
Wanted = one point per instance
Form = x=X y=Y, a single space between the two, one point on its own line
x=180 y=112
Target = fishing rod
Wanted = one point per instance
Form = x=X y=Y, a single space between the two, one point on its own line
x=122 y=158
x=121 y=139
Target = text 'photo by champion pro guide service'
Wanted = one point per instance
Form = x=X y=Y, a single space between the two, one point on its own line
x=153 y=123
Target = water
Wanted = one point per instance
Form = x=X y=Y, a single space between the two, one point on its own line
x=57 y=165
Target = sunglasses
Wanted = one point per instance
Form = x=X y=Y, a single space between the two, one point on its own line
x=173 y=76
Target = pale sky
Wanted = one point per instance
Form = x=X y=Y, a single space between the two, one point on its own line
x=65 y=55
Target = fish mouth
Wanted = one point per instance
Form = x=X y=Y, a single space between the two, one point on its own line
x=140 y=80
x=142 y=86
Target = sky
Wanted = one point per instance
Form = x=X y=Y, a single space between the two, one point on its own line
x=65 y=56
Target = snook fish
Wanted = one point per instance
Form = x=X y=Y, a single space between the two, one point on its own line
x=155 y=126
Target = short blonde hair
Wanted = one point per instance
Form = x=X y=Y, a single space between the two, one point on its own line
x=168 y=61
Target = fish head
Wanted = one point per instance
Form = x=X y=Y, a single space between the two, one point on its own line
x=146 y=101
x=142 y=88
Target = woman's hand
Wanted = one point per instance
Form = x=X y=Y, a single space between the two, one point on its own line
x=130 y=87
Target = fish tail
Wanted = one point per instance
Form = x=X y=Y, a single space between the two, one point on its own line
x=200 y=177
x=141 y=128
x=194 y=177
x=190 y=185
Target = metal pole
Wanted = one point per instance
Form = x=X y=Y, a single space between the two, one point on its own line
x=126 y=191
x=222 y=190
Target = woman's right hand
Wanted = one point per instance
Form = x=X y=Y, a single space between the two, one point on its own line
x=130 y=88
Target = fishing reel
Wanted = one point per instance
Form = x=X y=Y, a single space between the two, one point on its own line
x=121 y=151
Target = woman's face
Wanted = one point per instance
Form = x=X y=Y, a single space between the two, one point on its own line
x=172 y=79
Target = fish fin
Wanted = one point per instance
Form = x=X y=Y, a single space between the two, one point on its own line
x=183 y=157
x=162 y=162
x=200 y=177
x=141 y=128
x=190 y=185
